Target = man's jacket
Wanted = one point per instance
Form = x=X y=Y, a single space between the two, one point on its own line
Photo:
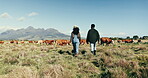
x=93 y=36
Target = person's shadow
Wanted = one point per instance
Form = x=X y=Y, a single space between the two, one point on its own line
x=83 y=52
x=64 y=52
x=68 y=52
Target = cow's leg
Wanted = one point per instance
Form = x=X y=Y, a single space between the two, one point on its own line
x=102 y=43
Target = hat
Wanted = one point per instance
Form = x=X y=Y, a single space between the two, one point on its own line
x=75 y=26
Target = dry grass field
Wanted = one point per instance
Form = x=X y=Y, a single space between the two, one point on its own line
x=28 y=60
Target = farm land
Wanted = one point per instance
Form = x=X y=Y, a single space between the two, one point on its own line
x=31 y=60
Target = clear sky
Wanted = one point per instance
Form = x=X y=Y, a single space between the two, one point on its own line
x=118 y=18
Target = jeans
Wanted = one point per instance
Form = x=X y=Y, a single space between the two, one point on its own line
x=76 y=47
x=93 y=46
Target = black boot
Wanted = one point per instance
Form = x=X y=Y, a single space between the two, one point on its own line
x=94 y=52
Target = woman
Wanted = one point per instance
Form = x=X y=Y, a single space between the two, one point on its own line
x=75 y=39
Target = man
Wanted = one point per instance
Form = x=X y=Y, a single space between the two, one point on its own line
x=92 y=37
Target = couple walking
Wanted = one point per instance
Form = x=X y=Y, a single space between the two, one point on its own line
x=92 y=37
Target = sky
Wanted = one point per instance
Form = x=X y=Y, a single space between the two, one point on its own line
x=113 y=18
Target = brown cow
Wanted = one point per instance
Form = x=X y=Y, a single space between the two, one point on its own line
x=11 y=41
x=106 y=40
x=128 y=41
x=14 y=41
x=49 y=42
x=68 y=42
x=83 y=41
x=63 y=42
x=59 y=42
x=22 y=42
x=1 y=42
x=35 y=41
x=30 y=41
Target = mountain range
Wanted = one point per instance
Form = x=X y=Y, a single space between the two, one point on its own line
x=31 y=33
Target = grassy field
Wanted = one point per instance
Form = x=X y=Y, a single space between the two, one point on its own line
x=48 y=61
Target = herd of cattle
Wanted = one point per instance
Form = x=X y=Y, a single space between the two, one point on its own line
x=103 y=40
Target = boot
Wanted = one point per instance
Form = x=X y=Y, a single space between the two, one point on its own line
x=94 y=52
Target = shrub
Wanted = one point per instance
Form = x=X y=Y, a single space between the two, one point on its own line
x=22 y=72
x=53 y=71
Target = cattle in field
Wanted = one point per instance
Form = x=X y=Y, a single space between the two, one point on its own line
x=11 y=41
x=139 y=41
x=119 y=41
x=49 y=42
x=83 y=41
x=14 y=41
x=59 y=42
x=127 y=41
x=67 y=42
x=105 y=40
x=40 y=41
x=22 y=42
x=63 y=42
x=35 y=41
x=1 y=42
x=30 y=41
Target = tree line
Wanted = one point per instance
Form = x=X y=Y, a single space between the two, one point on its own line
x=135 y=37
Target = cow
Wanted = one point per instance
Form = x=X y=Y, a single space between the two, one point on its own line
x=127 y=41
x=14 y=41
x=40 y=41
x=63 y=42
x=139 y=41
x=83 y=41
x=1 y=42
x=67 y=42
x=119 y=41
x=21 y=42
x=49 y=42
x=35 y=41
x=106 y=40
x=30 y=41
x=11 y=41
x=59 y=42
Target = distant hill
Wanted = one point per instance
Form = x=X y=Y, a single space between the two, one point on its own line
x=31 y=33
